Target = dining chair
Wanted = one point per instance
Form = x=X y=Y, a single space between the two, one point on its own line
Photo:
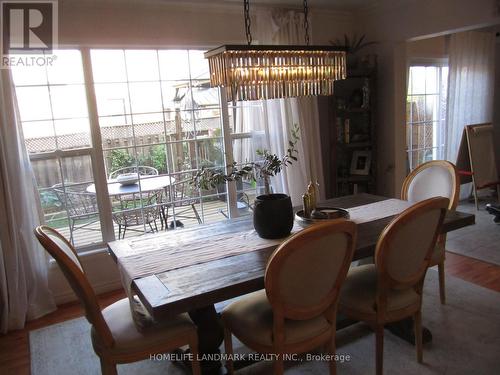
x=296 y=312
x=431 y=179
x=182 y=198
x=391 y=289
x=138 y=209
x=115 y=337
x=80 y=205
x=143 y=170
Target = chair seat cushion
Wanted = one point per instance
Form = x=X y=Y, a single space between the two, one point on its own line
x=128 y=339
x=251 y=318
x=359 y=292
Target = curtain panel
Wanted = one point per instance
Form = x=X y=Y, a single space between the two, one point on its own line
x=24 y=292
x=470 y=85
x=281 y=26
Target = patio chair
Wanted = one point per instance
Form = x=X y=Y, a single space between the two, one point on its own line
x=181 y=198
x=242 y=198
x=138 y=209
x=81 y=206
x=143 y=170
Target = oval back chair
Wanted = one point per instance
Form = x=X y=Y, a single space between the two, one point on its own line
x=297 y=310
x=391 y=289
x=435 y=178
x=115 y=337
x=431 y=179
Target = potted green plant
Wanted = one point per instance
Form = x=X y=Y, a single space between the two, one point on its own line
x=353 y=46
x=273 y=214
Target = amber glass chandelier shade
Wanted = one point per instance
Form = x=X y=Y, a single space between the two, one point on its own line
x=271 y=72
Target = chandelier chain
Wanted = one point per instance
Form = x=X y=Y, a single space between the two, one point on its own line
x=306 y=22
x=248 y=22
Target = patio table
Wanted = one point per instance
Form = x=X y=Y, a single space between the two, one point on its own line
x=146 y=184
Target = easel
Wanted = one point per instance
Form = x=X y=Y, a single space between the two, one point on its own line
x=476 y=159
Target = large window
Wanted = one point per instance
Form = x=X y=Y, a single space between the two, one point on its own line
x=97 y=115
x=426 y=112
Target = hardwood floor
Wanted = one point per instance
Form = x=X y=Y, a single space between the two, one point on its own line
x=14 y=347
x=473 y=270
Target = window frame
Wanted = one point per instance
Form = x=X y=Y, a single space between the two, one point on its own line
x=426 y=62
x=96 y=150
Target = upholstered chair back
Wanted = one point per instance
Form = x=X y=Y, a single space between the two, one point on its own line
x=436 y=178
x=304 y=274
x=66 y=257
x=405 y=246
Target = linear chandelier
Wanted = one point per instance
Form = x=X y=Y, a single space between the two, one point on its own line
x=254 y=72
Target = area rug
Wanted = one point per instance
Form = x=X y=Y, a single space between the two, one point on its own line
x=480 y=241
x=466 y=340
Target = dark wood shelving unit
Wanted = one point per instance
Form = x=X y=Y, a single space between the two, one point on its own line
x=347 y=121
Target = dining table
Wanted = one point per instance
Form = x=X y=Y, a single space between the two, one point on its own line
x=192 y=269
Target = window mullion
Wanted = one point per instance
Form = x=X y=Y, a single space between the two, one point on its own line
x=228 y=152
x=100 y=178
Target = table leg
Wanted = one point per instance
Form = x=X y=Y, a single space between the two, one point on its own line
x=210 y=337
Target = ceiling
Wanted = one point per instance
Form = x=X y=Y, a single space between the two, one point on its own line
x=341 y=4
x=333 y=4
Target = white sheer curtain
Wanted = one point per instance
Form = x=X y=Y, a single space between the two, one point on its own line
x=471 y=85
x=277 y=117
x=24 y=293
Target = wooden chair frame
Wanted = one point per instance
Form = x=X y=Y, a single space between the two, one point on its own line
x=452 y=169
x=281 y=311
x=75 y=274
x=385 y=282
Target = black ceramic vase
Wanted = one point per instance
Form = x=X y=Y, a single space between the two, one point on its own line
x=273 y=215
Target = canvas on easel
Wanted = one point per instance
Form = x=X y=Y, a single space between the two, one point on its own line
x=476 y=159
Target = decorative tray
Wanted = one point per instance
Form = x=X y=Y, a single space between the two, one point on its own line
x=323 y=214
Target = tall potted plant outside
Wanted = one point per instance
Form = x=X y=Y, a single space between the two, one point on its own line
x=273 y=213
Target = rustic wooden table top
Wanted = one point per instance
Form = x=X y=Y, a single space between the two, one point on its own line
x=192 y=278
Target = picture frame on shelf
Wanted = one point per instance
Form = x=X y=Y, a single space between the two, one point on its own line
x=360 y=162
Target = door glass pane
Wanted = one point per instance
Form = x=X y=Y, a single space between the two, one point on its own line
x=54 y=113
x=112 y=99
x=108 y=66
x=66 y=68
x=159 y=117
x=69 y=204
x=68 y=101
x=142 y=65
x=426 y=113
x=174 y=64
x=72 y=133
x=34 y=103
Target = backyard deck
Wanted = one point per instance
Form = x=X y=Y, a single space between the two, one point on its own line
x=212 y=212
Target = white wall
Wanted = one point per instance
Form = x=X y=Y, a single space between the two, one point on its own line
x=430 y=48
x=392 y=24
x=160 y=24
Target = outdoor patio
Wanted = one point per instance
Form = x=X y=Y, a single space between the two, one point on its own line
x=213 y=211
